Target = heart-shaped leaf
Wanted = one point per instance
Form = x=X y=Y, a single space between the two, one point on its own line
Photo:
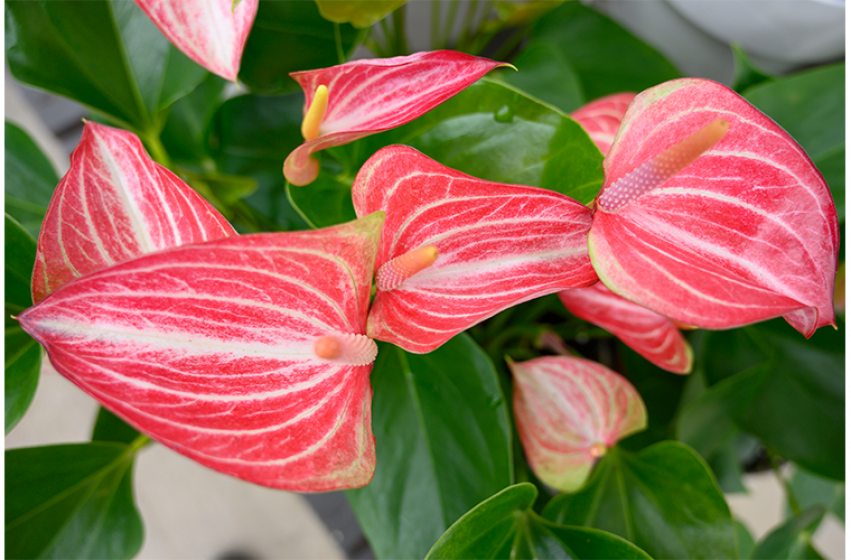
x=497 y=245
x=504 y=526
x=246 y=354
x=569 y=411
x=602 y=118
x=115 y=204
x=210 y=32
x=347 y=102
x=30 y=179
x=71 y=501
x=658 y=499
x=653 y=336
x=105 y=54
x=443 y=444
x=746 y=232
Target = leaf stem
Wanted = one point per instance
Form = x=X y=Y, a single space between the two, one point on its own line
x=435 y=24
x=158 y=151
x=400 y=37
x=338 y=40
x=776 y=462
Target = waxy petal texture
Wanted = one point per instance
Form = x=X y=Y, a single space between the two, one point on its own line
x=653 y=336
x=602 y=118
x=569 y=411
x=211 y=350
x=113 y=205
x=369 y=96
x=210 y=32
x=746 y=232
x=498 y=245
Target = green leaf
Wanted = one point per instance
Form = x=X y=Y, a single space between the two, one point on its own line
x=792 y=539
x=288 y=37
x=494 y=132
x=503 y=526
x=109 y=427
x=22 y=352
x=71 y=501
x=251 y=135
x=810 y=490
x=360 y=13
x=223 y=191
x=810 y=106
x=744 y=540
x=659 y=499
x=443 y=442
x=745 y=73
x=325 y=202
x=106 y=55
x=545 y=73
x=30 y=179
x=185 y=128
x=606 y=58
x=793 y=400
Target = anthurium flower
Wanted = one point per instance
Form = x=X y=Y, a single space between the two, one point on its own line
x=115 y=204
x=210 y=32
x=653 y=336
x=712 y=215
x=246 y=354
x=353 y=100
x=602 y=117
x=456 y=250
x=569 y=412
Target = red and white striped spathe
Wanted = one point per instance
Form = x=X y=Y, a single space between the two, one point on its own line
x=569 y=411
x=115 y=204
x=210 y=349
x=602 y=117
x=747 y=232
x=210 y=32
x=497 y=245
x=370 y=96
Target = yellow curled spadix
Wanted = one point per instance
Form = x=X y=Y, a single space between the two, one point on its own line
x=315 y=114
x=396 y=271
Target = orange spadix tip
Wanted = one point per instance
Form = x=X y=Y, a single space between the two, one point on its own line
x=597 y=450
x=315 y=114
x=326 y=347
x=394 y=272
x=351 y=349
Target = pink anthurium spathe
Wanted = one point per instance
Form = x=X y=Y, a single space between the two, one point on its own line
x=653 y=336
x=602 y=117
x=210 y=32
x=456 y=250
x=712 y=215
x=569 y=412
x=246 y=354
x=353 y=100
x=115 y=204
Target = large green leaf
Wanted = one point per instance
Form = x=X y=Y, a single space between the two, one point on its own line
x=71 y=501
x=443 y=445
x=109 y=427
x=810 y=105
x=23 y=353
x=787 y=391
x=495 y=132
x=288 y=37
x=105 y=54
x=544 y=72
x=503 y=526
x=606 y=58
x=664 y=499
x=30 y=179
x=325 y=202
x=791 y=541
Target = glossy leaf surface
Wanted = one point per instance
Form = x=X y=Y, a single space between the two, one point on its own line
x=369 y=96
x=569 y=411
x=476 y=133
x=71 y=501
x=360 y=13
x=765 y=241
x=22 y=353
x=498 y=245
x=602 y=118
x=503 y=526
x=115 y=204
x=658 y=499
x=545 y=72
x=210 y=349
x=328 y=201
x=30 y=179
x=653 y=336
x=210 y=32
x=295 y=28
x=106 y=55
x=443 y=444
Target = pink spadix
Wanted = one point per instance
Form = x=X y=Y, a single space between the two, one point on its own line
x=662 y=167
x=394 y=272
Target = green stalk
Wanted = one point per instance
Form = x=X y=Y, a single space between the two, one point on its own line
x=449 y=23
x=400 y=37
x=467 y=27
x=435 y=24
x=338 y=39
x=158 y=151
x=775 y=461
